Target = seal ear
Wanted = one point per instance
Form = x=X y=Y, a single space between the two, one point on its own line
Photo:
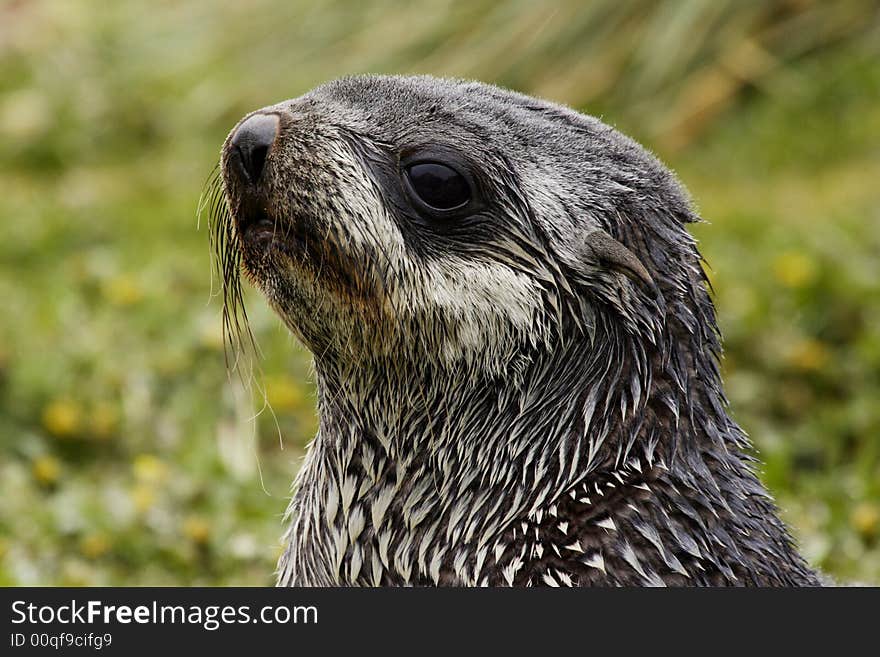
x=599 y=248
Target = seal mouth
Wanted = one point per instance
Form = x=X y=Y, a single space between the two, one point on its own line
x=260 y=232
x=257 y=225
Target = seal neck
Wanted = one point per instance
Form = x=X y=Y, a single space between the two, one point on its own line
x=578 y=411
x=409 y=461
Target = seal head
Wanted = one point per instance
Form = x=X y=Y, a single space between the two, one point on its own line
x=515 y=351
x=434 y=218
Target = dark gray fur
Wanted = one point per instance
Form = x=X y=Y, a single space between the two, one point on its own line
x=529 y=397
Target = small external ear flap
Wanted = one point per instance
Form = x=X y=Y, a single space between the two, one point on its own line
x=607 y=251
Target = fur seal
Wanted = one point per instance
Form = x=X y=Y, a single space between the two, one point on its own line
x=515 y=351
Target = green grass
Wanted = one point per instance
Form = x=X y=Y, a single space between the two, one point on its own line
x=129 y=456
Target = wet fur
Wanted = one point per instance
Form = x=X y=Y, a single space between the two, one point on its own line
x=507 y=400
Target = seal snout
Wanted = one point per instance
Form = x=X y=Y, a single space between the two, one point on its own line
x=251 y=143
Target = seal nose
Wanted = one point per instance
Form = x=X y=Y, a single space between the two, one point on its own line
x=251 y=143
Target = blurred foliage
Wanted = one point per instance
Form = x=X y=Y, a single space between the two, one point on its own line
x=129 y=456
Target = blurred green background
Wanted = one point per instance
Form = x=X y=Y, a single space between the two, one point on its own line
x=128 y=456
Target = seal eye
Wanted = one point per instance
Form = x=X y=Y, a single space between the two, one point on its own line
x=438 y=186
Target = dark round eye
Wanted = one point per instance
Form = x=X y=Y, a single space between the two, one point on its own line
x=438 y=186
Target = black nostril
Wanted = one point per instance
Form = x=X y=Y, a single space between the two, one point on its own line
x=251 y=143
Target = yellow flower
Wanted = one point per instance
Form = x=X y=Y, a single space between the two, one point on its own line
x=865 y=519
x=808 y=355
x=284 y=394
x=46 y=470
x=25 y=115
x=211 y=335
x=63 y=418
x=144 y=497
x=122 y=291
x=794 y=269
x=149 y=469
x=94 y=545
x=197 y=529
